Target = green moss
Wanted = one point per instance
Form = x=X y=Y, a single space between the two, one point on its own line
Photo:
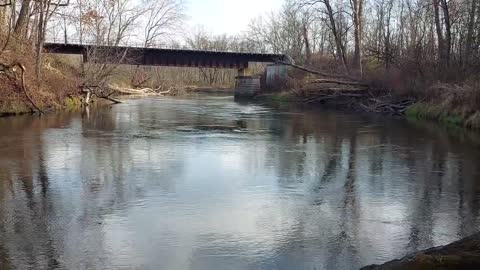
x=280 y=98
x=72 y=103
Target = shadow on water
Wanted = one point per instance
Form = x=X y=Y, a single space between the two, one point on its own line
x=247 y=187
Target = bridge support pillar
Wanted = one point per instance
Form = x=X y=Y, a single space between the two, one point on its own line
x=247 y=86
x=84 y=57
x=242 y=72
x=276 y=77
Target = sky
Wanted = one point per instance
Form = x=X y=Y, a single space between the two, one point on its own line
x=227 y=16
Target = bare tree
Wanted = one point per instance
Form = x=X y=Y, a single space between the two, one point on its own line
x=162 y=17
x=357 y=15
x=46 y=9
x=23 y=17
x=469 y=45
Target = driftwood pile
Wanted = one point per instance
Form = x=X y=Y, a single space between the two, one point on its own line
x=388 y=105
x=349 y=93
x=353 y=95
x=321 y=90
x=108 y=92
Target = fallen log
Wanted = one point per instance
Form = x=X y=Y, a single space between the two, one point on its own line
x=129 y=91
x=316 y=72
x=143 y=91
x=116 y=101
x=165 y=92
x=352 y=83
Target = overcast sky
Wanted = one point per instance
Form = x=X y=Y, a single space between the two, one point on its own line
x=227 y=16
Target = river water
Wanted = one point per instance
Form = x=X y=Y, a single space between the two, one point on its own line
x=208 y=183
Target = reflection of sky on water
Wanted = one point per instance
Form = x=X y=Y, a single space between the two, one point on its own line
x=141 y=186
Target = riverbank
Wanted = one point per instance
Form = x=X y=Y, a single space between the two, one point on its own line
x=449 y=105
x=463 y=254
x=24 y=91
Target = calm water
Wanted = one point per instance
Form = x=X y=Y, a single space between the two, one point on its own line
x=207 y=183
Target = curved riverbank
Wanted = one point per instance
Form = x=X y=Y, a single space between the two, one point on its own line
x=452 y=108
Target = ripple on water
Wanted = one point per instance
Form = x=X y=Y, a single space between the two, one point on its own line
x=165 y=183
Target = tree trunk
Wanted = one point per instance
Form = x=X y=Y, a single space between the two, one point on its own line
x=40 y=39
x=448 y=31
x=336 y=35
x=23 y=18
x=358 y=29
x=308 y=50
x=438 y=26
x=65 y=34
x=470 y=34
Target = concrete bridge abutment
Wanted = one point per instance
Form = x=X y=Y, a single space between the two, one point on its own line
x=274 y=78
x=247 y=86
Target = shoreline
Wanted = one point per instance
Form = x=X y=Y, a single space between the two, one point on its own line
x=418 y=111
x=462 y=254
x=68 y=104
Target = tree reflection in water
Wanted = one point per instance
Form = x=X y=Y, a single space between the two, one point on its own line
x=138 y=186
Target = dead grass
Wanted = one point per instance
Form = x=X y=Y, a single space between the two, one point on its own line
x=451 y=104
x=56 y=85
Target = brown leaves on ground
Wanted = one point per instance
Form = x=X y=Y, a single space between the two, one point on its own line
x=48 y=93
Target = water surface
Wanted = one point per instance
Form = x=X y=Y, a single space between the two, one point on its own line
x=207 y=183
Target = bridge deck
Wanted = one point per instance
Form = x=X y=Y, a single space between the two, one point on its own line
x=163 y=57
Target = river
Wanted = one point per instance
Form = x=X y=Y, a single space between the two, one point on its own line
x=207 y=183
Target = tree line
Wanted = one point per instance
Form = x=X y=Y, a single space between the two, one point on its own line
x=427 y=36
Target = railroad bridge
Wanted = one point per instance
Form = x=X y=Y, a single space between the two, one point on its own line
x=131 y=55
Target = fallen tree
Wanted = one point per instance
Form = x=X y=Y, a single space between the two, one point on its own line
x=99 y=92
x=316 y=72
x=349 y=93
x=355 y=97
x=108 y=92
